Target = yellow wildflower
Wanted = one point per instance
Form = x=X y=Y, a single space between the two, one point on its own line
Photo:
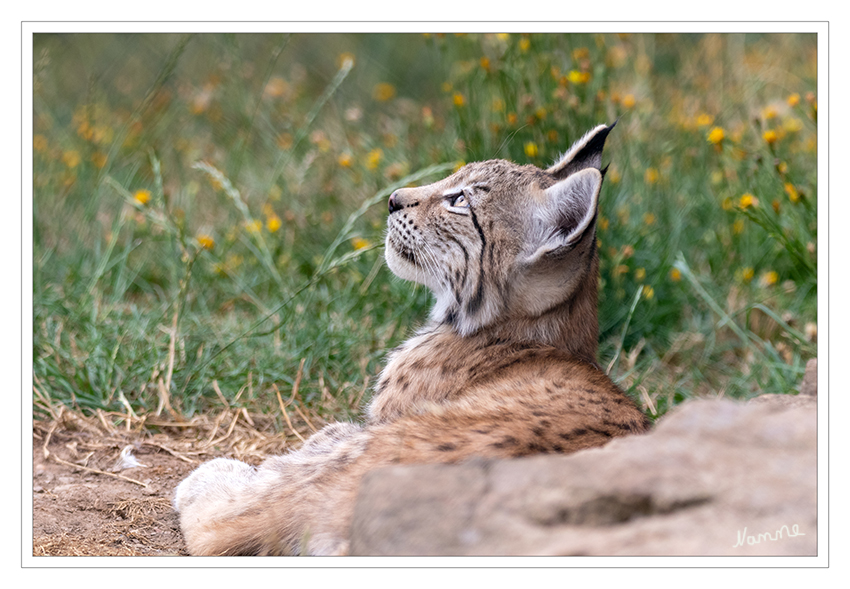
x=85 y=131
x=613 y=176
x=704 y=120
x=747 y=201
x=524 y=44
x=512 y=118
x=142 y=196
x=747 y=274
x=792 y=193
x=253 y=226
x=485 y=64
x=716 y=135
x=603 y=223
x=775 y=205
x=648 y=291
x=273 y=223
x=383 y=92
x=650 y=176
x=498 y=105
x=577 y=77
x=675 y=275
x=71 y=158
x=628 y=101
x=640 y=274
x=727 y=204
x=345 y=160
x=794 y=99
x=206 y=242
x=531 y=149
x=503 y=36
x=769 y=113
x=358 y=243
x=373 y=160
x=649 y=218
x=770 y=136
x=769 y=278
x=738 y=227
x=621 y=269
x=458 y=99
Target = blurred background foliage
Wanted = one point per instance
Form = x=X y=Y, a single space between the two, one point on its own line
x=209 y=209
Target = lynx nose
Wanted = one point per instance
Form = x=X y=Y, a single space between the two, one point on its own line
x=394 y=202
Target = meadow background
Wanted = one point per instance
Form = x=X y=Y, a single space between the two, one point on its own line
x=209 y=209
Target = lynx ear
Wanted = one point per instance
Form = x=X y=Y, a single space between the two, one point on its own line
x=568 y=212
x=585 y=153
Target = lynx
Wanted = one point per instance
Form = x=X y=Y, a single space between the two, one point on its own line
x=505 y=367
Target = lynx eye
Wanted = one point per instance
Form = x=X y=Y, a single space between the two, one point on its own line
x=458 y=201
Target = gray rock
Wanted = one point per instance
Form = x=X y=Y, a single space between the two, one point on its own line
x=713 y=474
x=809 y=386
x=785 y=401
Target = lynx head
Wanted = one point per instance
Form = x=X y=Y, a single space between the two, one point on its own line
x=497 y=242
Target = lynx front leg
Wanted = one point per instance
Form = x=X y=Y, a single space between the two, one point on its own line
x=210 y=499
x=288 y=505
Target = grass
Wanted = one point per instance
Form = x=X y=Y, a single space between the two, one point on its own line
x=208 y=209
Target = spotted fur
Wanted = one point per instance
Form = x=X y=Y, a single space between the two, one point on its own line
x=506 y=366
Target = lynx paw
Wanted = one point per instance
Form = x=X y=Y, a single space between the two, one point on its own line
x=210 y=494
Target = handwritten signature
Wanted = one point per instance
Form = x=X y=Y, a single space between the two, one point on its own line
x=780 y=533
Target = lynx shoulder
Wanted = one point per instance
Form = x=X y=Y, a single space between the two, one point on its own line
x=505 y=367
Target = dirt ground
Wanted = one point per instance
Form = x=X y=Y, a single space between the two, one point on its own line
x=88 y=499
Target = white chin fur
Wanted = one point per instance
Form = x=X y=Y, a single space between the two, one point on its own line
x=401 y=267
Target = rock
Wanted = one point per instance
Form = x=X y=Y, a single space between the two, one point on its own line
x=715 y=477
x=809 y=386
x=788 y=401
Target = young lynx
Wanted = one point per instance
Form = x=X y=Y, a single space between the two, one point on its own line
x=505 y=367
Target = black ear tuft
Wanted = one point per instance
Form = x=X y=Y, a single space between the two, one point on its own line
x=586 y=153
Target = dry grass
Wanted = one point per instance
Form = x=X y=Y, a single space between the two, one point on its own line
x=232 y=431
